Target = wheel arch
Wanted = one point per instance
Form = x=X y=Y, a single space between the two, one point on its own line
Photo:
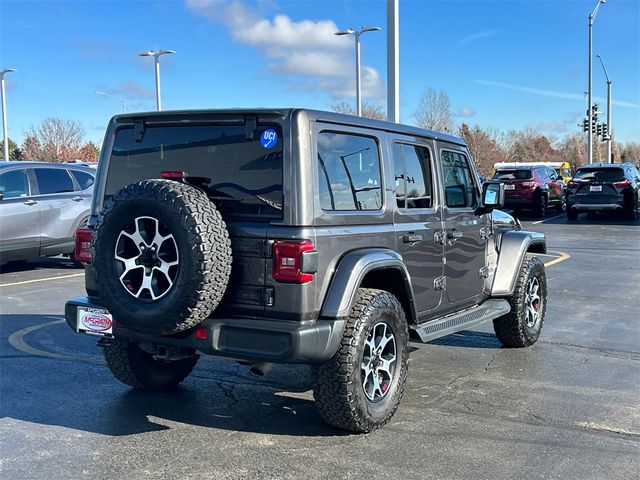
x=378 y=268
x=514 y=245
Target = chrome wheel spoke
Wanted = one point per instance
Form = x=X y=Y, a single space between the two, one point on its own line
x=378 y=362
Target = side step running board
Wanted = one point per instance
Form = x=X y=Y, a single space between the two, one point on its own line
x=463 y=320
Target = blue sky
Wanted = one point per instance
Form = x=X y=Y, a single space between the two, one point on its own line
x=505 y=64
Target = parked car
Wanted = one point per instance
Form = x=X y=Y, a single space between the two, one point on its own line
x=41 y=206
x=297 y=236
x=604 y=187
x=532 y=188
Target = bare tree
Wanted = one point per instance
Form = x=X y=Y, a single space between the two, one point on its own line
x=368 y=110
x=529 y=146
x=434 y=111
x=54 y=140
x=573 y=149
x=630 y=152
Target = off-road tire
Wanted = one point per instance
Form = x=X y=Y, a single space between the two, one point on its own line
x=202 y=243
x=540 y=208
x=337 y=384
x=561 y=205
x=138 y=369
x=511 y=329
x=630 y=208
x=572 y=214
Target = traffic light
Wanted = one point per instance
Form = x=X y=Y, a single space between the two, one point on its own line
x=594 y=125
x=599 y=129
x=605 y=131
x=585 y=125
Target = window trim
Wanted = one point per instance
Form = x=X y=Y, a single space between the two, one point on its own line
x=473 y=180
x=434 y=204
x=378 y=142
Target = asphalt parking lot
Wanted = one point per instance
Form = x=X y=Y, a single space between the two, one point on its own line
x=568 y=407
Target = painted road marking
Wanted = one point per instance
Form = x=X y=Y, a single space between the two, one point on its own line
x=17 y=341
x=563 y=256
x=550 y=218
x=47 y=279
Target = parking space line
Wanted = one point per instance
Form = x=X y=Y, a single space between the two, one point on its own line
x=16 y=340
x=563 y=256
x=545 y=219
x=24 y=282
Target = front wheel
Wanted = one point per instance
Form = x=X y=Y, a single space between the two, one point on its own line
x=139 y=369
x=360 y=388
x=541 y=206
x=521 y=327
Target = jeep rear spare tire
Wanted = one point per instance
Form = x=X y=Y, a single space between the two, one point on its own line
x=162 y=256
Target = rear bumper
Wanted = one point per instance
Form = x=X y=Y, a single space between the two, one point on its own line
x=242 y=339
x=518 y=202
x=590 y=203
x=591 y=207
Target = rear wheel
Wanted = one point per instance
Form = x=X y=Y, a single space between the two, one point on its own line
x=360 y=388
x=139 y=369
x=630 y=208
x=562 y=204
x=572 y=213
x=521 y=327
x=540 y=205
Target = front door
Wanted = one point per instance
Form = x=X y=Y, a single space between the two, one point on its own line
x=19 y=217
x=417 y=220
x=465 y=232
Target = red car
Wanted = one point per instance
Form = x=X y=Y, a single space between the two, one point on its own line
x=532 y=188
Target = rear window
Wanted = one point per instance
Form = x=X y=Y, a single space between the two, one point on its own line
x=243 y=175
x=600 y=175
x=513 y=175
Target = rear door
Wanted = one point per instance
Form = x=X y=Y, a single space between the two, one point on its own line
x=466 y=233
x=418 y=219
x=19 y=216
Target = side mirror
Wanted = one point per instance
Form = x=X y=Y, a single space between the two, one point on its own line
x=1 y=196
x=492 y=197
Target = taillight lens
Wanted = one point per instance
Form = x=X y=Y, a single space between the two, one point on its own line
x=528 y=184
x=172 y=175
x=83 y=244
x=572 y=184
x=622 y=184
x=288 y=261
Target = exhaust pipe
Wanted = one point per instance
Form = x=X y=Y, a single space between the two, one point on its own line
x=260 y=369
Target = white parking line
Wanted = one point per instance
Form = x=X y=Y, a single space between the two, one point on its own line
x=545 y=219
x=41 y=280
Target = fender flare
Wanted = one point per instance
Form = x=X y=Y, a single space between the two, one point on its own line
x=514 y=245
x=350 y=273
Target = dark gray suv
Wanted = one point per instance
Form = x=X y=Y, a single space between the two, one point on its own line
x=297 y=236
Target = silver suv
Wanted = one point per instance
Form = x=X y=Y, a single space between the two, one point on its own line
x=297 y=236
x=41 y=206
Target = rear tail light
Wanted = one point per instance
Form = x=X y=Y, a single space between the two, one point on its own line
x=294 y=262
x=528 y=184
x=84 y=236
x=624 y=183
x=572 y=184
x=171 y=175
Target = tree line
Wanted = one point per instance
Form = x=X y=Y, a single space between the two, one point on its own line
x=54 y=140
x=490 y=145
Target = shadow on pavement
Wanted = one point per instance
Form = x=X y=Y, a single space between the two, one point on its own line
x=558 y=218
x=44 y=263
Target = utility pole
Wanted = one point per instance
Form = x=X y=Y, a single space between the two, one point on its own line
x=3 y=93
x=393 y=61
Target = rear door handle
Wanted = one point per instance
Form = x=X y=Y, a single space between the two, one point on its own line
x=76 y=199
x=411 y=238
x=454 y=234
x=29 y=202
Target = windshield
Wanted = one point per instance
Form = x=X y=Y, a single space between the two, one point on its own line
x=600 y=175
x=513 y=175
x=243 y=176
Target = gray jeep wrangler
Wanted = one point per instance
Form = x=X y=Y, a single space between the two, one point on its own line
x=296 y=236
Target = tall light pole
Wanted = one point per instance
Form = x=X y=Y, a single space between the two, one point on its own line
x=393 y=61
x=121 y=102
x=357 y=36
x=156 y=56
x=609 y=131
x=4 y=111
x=592 y=17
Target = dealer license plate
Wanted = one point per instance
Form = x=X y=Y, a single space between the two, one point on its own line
x=595 y=188
x=94 y=321
x=509 y=187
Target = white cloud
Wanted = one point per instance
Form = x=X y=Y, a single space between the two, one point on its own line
x=306 y=52
x=130 y=90
x=477 y=36
x=466 y=112
x=549 y=127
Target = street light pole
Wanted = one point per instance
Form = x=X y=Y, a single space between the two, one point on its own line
x=592 y=17
x=156 y=56
x=121 y=102
x=357 y=37
x=4 y=112
x=609 y=130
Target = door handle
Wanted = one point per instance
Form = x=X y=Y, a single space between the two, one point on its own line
x=29 y=202
x=411 y=238
x=454 y=234
x=76 y=199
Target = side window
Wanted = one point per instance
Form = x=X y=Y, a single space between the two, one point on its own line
x=84 y=179
x=412 y=166
x=53 y=180
x=349 y=170
x=14 y=184
x=460 y=191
